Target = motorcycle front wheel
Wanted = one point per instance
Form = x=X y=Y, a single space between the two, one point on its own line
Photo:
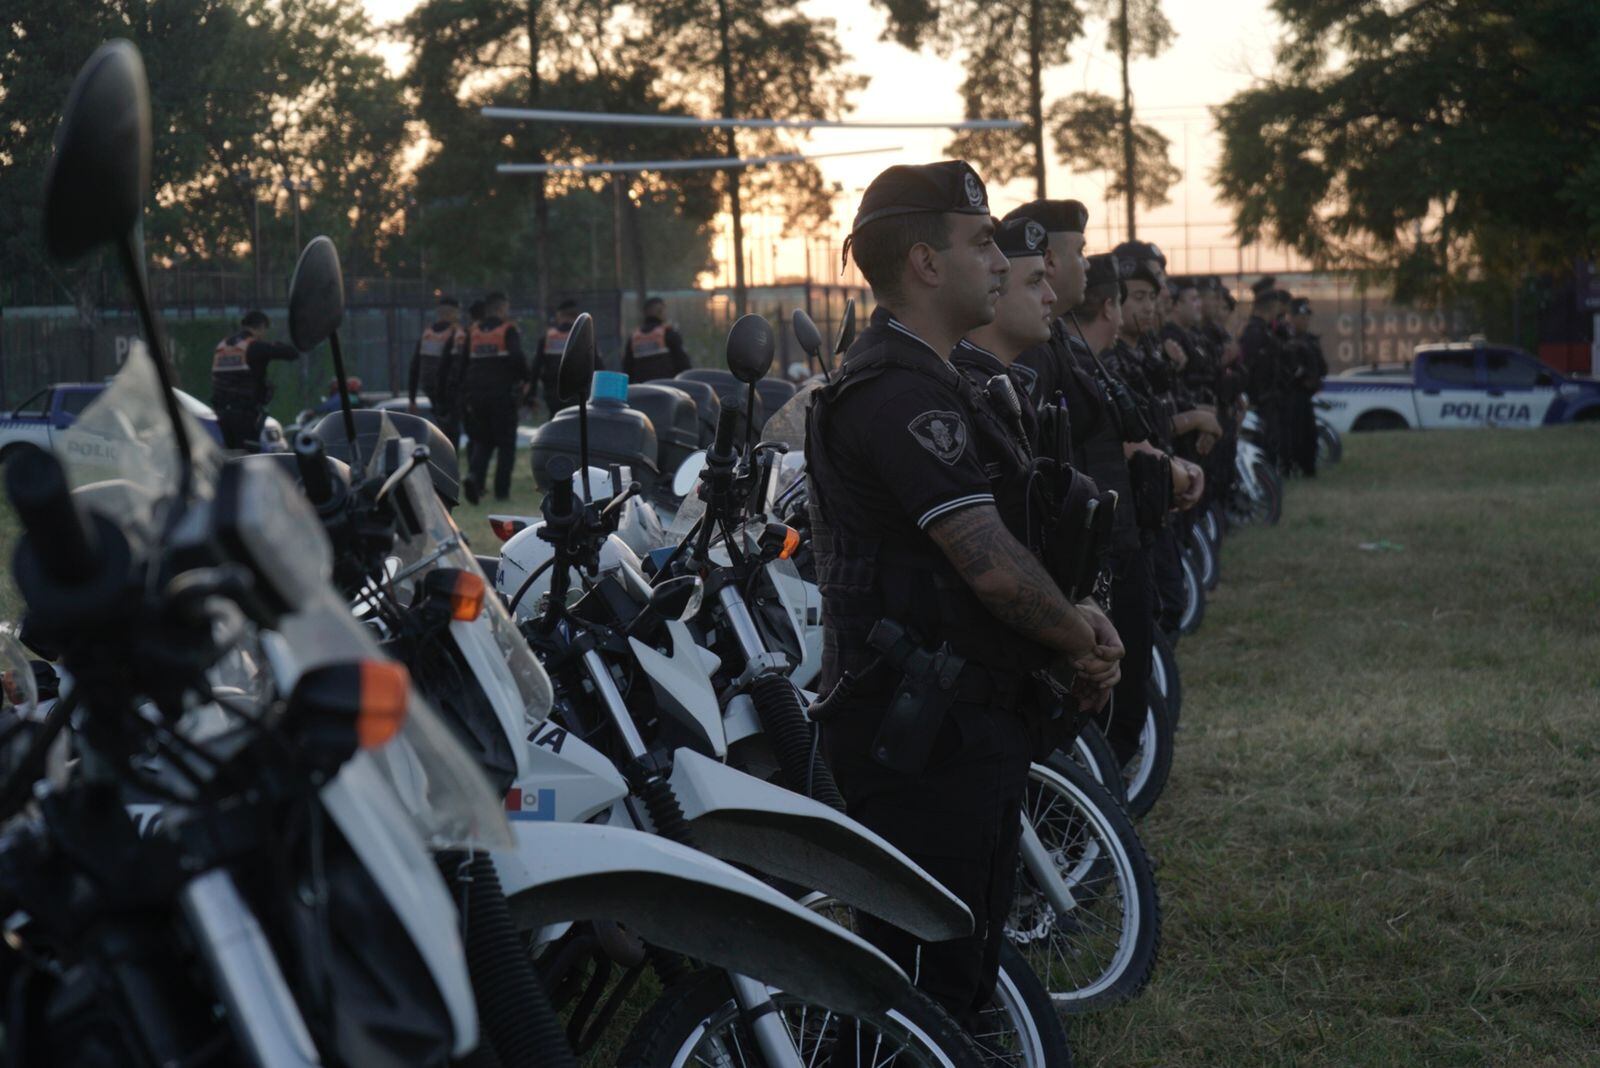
x=697 y=1022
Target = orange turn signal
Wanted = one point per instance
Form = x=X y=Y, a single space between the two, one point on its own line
x=466 y=598
x=385 y=694
x=791 y=543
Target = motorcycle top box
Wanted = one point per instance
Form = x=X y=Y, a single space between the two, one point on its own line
x=617 y=435
x=676 y=419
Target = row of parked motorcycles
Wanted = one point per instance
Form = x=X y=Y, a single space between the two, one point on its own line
x=292 y=776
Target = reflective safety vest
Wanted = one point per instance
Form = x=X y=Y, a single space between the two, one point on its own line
x=484 y=344
x=436 y=344
x=650 y=342
x=230 y=354
x=555 y=341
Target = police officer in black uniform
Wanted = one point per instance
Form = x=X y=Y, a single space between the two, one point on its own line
x=436 y=366
x=1263 y=356
x=935 y=614
x=1308 y=367
x=240 y=391
x=656 y=348
x=497 y=374
x=547 y=354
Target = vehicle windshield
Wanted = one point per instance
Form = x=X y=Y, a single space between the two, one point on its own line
x=788 y=424
x=439 y=544
x=121 y=454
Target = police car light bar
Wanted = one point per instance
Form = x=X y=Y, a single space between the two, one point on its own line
x=724 y=163
x=611 y=118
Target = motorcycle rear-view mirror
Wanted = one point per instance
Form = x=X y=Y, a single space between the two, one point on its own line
x=96 y=181
x=316 y=296
x=577 y=362
x=751 y=346
x=847 y=328
x=806 y=333
x=688 y=474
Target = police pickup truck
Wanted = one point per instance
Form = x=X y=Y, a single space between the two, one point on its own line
x=1458 y=385
x=43 y=416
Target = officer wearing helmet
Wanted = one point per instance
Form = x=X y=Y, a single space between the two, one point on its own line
x=239 y=387
x=935 y=612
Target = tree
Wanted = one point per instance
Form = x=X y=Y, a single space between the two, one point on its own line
x=1434 y=141
x=1008 y=45
x=1091 y=135
x=762 y=59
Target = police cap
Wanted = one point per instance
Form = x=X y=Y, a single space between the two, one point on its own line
x=1130 y=269
x=1300 y=306
x=1020 y=237
x=1056 y=216
x=1140 y=250
x=928 y=188
x=1264 y=288
x=1102 y=270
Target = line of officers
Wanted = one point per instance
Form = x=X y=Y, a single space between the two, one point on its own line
x=961 y=464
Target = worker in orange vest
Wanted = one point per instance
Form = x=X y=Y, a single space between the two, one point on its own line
x=496 y=381
x=656 y=349
x=547 y=355
x=239 y=387
x=436 y=366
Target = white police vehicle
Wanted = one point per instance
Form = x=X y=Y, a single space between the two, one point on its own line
x=1458 y=385
x=39 y=419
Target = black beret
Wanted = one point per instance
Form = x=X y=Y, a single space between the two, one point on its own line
x=1139 y=250
x=1021 y=237
x=1300 y=306
x=1264 y=287
x=1185 y=282
x=1102 y=270
x=1282 y=296
x=1130 y=269
x=1056 y=216
x=1211 y=284
x=947 y=186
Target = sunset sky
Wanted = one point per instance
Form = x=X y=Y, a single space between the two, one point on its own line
x=1220 y=49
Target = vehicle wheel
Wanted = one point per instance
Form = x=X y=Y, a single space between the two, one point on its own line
x=1091 y=752
x=1166 y=678
x=1194 y=606
x=1330 y=447
x=1267 y=508
x=1380 y=421
x=1145 y=774
x=1205 y=555
x=1103 y=951
x=698 y=1022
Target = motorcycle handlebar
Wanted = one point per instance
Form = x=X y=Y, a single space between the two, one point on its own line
x=727 y=426
x=60 y=537
x=312 y=460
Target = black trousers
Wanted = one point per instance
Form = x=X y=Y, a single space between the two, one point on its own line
x=241 y=427
x=1133 y=614
x=492 y=428
x=960 y=819
x=1302 y=419
x=1166 y=565
x=447 y=416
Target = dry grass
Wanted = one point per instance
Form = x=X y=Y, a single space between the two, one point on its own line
x=1380 y=840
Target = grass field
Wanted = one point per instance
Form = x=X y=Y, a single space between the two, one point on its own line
x=1380 y=842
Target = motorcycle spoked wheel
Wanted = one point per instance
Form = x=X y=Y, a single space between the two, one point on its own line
x=1091 y=752
x=1205 y=555
x=1145 y=774
x=698 y=1022
x=1104 y=951
x=1165 y=675
x=1330 y=448
x=1194 y=605
x=1020 y=1029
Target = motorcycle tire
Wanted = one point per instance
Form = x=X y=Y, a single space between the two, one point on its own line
x=1165 y=676
x=1330 y=447
x=1104 y=951
x=1146 y=772
x=1206 y=556
x=697 y=1021
x=1091 y=752
x=1194 y=606
x=1269 y=508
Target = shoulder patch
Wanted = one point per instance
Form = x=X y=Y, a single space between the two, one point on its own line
x=942 y=433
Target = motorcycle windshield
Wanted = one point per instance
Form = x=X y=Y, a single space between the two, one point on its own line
x=689 y=513
x=438 y=544
x=788 y=425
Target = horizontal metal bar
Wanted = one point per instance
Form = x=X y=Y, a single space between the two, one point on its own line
x=722 y=163
x=612 y=118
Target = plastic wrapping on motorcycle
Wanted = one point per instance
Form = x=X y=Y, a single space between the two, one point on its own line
x=674 y=415
x=443 y=465
x=692 y=904
x=617 y=435
x=727 y=386
x=780 y=833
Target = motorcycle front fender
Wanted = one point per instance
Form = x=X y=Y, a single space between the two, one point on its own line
x=780 y=833
x=690 y=903
x=682 y=688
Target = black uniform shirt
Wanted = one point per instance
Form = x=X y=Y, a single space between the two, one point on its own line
x=1261 y=356
x=981 y=366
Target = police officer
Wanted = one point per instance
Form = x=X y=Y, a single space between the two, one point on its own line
x=239 y=387
x=436 y=366
x=1308 y=367
x=1262 y=355
x=547 y=354
x=934 y=613
x=497 y=373
x=656 y=348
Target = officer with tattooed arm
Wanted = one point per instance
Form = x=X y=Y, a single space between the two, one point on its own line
x=935 y=614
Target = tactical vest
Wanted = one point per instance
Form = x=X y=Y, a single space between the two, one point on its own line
x=487 y=344
x=864 y=579
x=435 y=348
x=555 y=341
x=232 y=384
x=652 y=358
x=1100 y=449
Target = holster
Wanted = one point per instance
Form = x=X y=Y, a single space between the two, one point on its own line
x=922 y=699
x=1152 y=489
x=1079 y=533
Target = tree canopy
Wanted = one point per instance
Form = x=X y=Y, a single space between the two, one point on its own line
x=1434 y=140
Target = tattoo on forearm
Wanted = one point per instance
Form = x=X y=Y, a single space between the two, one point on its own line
x=1010 y=582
